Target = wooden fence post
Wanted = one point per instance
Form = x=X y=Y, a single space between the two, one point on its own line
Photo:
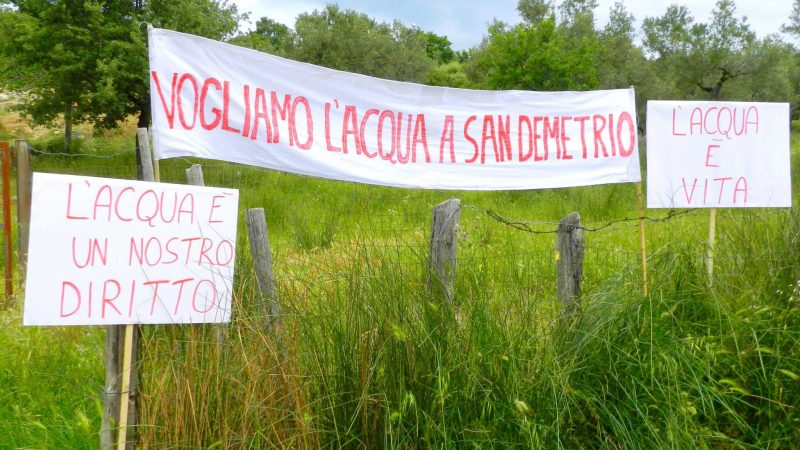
x=259 y=248
x=111 y=387
x=194 y=175
x=143 y=149
x=709 y=256
x=23 y=200
x=8 y=253
x=569 y=262
x=444 y=223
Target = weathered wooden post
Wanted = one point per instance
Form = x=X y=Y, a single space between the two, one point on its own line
x=194 y=175
x=23 y=153
x=8 y=253
x=143 y=149
x=709 y=256
x=444 y=225
x=111 y=387
x=569 y=262
x=262 y=260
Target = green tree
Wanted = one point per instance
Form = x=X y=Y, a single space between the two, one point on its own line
x=669 y=34
x=578 y=15
x=87 y=60
x=534 y=11
x=541 y=56
x=448 y=75
x=771 y=67
x=438 y=48
x=700 y=59
x=269 y=36
x=51 y=56
x=352 y=41
x=793 y=27
x=621 y=63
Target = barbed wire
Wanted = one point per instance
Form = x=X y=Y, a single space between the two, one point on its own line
x=527 y=226
x=75 y=155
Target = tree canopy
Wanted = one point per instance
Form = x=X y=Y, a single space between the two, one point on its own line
x=87 y=60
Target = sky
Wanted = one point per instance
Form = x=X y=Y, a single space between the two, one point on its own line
x=464 y=22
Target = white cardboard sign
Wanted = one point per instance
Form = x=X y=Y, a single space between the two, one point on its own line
x=218 y=101
x=717 y=154
x=106 y=251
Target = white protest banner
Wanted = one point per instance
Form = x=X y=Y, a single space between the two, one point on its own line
x=717 y=154
x=105 y=251
x=219 y=101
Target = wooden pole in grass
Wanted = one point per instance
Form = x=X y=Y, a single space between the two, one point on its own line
x=712 y=232
x=126 y=387
x=23 y=153
x=194 y=175
x=443 y=244
x=111 y=388
x=143 y=146
x=642 y=240
x=570 y=248
x=7 y=252
x=262 y=260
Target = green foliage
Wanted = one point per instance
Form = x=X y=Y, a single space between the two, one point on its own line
x=87 y=61
x=352 y=41
x=50 y=57
x=269 y=37
x=793 y=27
x=621 y=62
x=534 y=11
x=438 y=48
x=542 y=57
x=702 y=58
x=449 y=75
x=56 y=145
x=214 y=19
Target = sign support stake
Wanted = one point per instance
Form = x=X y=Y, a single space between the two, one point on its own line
x=126 y=386
x=642 y=240
x=712 y=230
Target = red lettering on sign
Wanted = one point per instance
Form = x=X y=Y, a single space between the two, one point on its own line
x=169 y=111
x=216 y=112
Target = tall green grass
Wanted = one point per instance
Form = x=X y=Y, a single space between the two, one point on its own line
x=51 y=383
x=367 y=355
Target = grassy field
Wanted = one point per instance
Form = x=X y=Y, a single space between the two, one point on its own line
x=365 y=356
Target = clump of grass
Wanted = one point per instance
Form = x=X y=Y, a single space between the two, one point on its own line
x=51 y=380
x=224 y=386
x=315 y=230
x=386 y=362
x=367 y=355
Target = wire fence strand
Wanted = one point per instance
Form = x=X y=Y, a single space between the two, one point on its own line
x=368 y=223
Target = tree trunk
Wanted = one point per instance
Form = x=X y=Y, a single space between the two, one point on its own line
x=144 y=113
x=143 y=122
